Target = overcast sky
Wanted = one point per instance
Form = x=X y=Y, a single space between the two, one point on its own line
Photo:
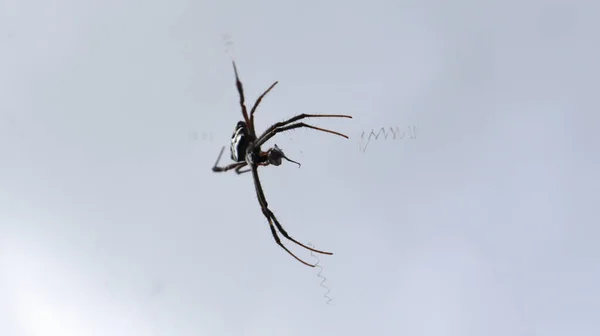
x=483 y=222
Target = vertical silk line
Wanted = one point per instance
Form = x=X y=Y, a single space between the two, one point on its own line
x=320 y=275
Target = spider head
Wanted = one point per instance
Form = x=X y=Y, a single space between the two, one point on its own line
x=275 y=154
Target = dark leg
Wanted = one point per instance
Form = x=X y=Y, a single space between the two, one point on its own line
x=273 y=222
x=273 y=132
x=278 y=241
x=269 y=132
x=257 y=103
x=241 y=93
x=239 y=170
x=237 y=165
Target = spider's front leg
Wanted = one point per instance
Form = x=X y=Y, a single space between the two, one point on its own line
x=237 y=165
x=291 y=124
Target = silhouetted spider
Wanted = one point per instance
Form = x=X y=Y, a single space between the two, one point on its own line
x=245 y=151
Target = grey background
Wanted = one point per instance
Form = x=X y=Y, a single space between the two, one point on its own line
x=111 y=222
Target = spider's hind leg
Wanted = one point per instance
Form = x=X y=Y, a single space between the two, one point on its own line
x=239 y=170
x=237 y=165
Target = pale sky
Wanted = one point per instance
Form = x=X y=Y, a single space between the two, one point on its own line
x=113 y=112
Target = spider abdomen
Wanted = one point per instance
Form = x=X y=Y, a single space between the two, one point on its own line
x=239 y=142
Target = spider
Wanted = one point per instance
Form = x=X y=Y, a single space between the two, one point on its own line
x=245 y=150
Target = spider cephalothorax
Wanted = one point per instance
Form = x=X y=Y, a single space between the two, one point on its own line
x=240 y=142
x=245 y=150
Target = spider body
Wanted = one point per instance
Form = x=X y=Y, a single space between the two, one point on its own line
x=242 y=148
x=239 y=142
x=245 y=150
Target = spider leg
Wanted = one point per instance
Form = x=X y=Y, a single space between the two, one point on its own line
x=258 y=102
x=278 y=241
x=237 y=165
x=273 y=132
x=240 y=89
x=219 y=157
x=273 y=220
x=268 y=134
x=239 y=170
x=286 y=235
